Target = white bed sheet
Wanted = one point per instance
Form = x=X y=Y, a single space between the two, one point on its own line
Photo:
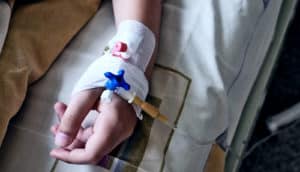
x=215 y=47
x=4 y=21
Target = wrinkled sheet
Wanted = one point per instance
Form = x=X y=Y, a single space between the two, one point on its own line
x=37 y=34
x=209 y=56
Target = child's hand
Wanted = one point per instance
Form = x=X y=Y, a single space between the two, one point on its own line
x=79 y=145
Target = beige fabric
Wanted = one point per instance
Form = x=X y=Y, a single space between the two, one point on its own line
x=38 y=32
x=216 y=160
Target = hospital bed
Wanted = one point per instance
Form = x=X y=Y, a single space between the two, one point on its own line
x=215 y=60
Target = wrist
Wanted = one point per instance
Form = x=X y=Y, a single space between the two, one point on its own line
x=140 y=42
x=133 y=59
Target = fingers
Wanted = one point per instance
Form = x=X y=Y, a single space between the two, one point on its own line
x=54 y=129
x=115 y=124
x=73 y=116
x=77 y=156
x=81 y=138
x=60 y=109
x=97 y=146
x=83 y=134
x=89 y=154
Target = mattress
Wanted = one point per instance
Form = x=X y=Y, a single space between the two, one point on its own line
x=210 y=54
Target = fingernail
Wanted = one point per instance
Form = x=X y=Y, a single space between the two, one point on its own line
x=62 y=139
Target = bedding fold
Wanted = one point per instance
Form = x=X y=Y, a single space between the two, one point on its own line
x=38 y=32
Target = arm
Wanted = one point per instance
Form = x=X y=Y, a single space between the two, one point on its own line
x=117 y=119
x=146 y=11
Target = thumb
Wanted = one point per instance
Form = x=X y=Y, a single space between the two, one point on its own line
x=78 y=108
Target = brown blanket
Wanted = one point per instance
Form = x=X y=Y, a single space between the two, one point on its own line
x=38 y=32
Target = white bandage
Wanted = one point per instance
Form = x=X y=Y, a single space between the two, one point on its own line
x=140 y=43
x=139 y=39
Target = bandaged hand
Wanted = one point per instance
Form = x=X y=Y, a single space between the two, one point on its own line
x=117 y=118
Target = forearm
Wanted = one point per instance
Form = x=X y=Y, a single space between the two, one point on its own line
x=146 y=11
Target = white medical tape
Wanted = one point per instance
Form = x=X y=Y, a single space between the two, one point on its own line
x=140 y=43
x=94 y=76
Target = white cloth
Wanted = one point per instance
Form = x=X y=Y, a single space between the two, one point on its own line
x=140 y=44
x=4 y=21
x=139 y=39
x=94 y=77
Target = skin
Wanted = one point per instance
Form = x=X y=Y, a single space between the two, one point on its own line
x=117 y=119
